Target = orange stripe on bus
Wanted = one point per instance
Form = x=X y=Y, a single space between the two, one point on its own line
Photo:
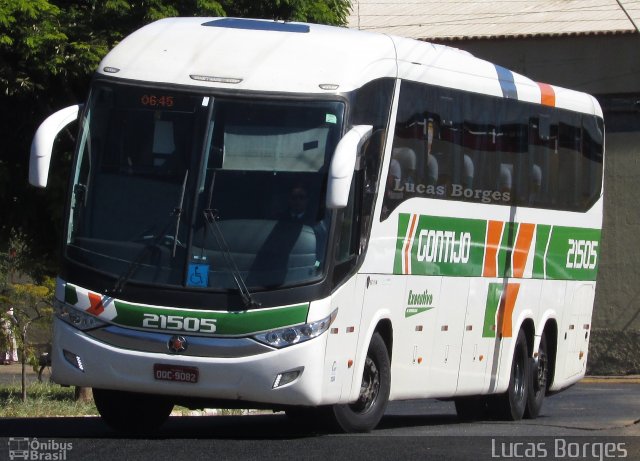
x=507 y=304
x=407 y=243
x=547 y=96
x=96 y=307
x=494 y=232
x=521 y=251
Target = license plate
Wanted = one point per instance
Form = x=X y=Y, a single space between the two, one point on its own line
x=177 y=373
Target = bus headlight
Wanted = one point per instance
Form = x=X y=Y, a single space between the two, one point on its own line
x=76 y=318
x=288 y=336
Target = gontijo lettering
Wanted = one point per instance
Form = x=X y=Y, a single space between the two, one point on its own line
x=444 y=246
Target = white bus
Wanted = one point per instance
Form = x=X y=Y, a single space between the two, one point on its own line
x=320 y=220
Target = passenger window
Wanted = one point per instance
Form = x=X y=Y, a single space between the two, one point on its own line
x=463 y=146
x=592 y=157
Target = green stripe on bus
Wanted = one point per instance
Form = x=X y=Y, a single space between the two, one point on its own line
x=543 y=232
x=70 y=294
x=456 y=247
x=573 y=253
x=506 y=249
x=443 y=246
x=493 y=302
x=227 y=323
x=403 y=227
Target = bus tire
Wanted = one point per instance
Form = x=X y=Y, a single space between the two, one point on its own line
x=364 y=414
x=131 y=412
x=539 y=378
x=511 y=405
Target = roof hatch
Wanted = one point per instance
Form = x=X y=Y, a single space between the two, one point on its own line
x=253 y=24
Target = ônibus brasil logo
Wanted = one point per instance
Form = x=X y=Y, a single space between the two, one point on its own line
x=34 y=449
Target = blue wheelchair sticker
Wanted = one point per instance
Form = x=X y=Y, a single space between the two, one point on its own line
x=198 y=275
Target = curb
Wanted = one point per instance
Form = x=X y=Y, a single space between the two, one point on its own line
x=630 y=379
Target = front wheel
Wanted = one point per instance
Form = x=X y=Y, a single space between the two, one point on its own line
x=130 y=412
x=365 y=413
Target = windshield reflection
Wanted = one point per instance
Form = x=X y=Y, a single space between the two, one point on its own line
x=155 y=168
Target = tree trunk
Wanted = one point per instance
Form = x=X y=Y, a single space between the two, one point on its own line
x=23 y=360
x=83 y=394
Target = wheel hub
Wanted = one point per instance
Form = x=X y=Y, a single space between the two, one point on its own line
x=541 y=377
x=369 y=388
x=518 y=378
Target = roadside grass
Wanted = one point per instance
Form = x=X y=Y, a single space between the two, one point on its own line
x=43 y=400
x=51 y=400
x=183 y=411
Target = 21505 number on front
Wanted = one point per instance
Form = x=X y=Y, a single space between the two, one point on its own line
x=179 y=323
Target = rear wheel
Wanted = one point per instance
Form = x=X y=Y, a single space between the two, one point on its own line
x=511 y=405
x=365 y=413
x=539 y=377
x=131 y=412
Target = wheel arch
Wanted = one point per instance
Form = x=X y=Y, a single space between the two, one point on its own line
x=385 y=329
x=530 y=333
x=380 y=323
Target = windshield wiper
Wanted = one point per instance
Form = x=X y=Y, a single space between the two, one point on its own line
x=210 y=217
x=178 y=213
x=137 y=261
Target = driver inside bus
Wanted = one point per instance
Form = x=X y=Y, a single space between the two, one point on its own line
x=296 y=243
x=299 y=211
x=298 y=203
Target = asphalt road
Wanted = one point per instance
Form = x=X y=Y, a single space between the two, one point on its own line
x=593 y=420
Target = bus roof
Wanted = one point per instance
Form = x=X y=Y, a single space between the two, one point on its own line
x=256 y=54
x=290 y=57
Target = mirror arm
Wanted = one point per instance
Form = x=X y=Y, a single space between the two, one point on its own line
x=42 y=144
x=343 y=164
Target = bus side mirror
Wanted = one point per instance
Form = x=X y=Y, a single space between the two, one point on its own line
x=42 y=144
x=343 y=164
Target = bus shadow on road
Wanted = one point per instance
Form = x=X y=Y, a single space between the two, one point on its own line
x=276 y=426
x=262 y=426
x=407 y=421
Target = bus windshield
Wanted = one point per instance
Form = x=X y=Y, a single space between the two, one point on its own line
x=190 y=190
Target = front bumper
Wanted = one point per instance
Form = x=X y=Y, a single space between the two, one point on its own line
x=249 y=378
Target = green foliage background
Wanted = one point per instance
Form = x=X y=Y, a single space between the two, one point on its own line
x=48 y=52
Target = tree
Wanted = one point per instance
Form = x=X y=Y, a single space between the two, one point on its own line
x=318 y=11
x=31 y=302
x=48 y=52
